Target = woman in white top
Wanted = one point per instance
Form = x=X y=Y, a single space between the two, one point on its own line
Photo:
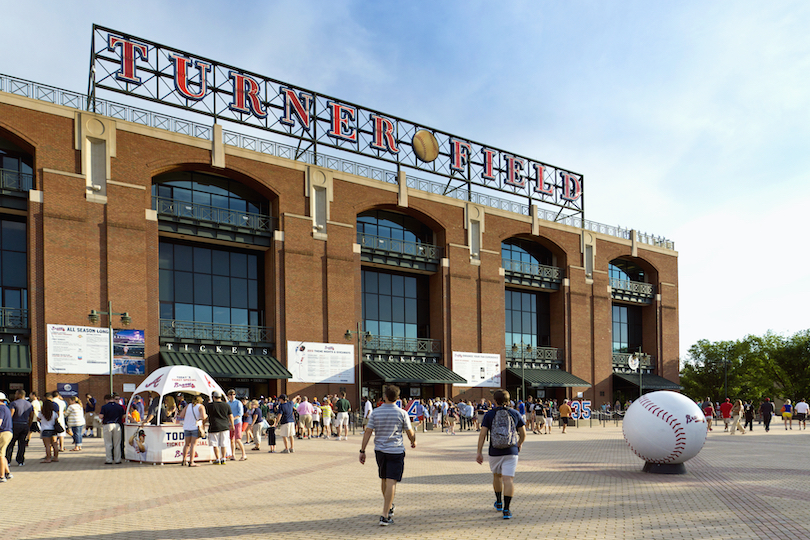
x=75 y=421
x=193 y=417
x=47 y=419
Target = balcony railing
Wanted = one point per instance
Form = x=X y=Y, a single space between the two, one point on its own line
x=170 y=328
x=551 y=273
x=16 y=181
x=633 y=288
x=13 y=318
x=537 y=354
x=400 y=247
x=213 y=214
x=402 y=345
x=620 y=363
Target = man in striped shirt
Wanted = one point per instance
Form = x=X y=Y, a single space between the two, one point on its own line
x=388 y=422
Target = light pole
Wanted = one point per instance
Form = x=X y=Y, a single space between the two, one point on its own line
x=361 y=336
x=126 y=320
x=523 y=349
x=725 y=374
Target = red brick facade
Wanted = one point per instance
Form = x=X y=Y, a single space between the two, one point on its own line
x=84 y=252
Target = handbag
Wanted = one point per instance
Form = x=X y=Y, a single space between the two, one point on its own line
x=57 y=427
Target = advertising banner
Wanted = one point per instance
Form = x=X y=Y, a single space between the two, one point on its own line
x=78 y=349
x=161 y=444
x=128 y=347
x=320 y=362
x=478 y=368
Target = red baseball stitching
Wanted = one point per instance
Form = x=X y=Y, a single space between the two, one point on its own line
x=680 y=433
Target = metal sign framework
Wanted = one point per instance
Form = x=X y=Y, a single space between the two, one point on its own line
x=140 y=68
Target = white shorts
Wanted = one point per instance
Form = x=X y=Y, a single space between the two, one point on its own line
x=286 y=430
x=220 y=439
x=342 y=419
x=503 y=465
x=327 y=421
x=547 y=421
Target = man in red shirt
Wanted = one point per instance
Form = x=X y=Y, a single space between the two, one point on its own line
x=725 y=410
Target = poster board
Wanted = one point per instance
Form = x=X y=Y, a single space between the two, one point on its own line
x=78 y=349
x=480 y=369
x=320 y=362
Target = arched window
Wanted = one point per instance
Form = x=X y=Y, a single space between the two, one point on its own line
x=16 y=167
x=625 y=271
x=516 y=253
x=208 y=190
x=386 y=224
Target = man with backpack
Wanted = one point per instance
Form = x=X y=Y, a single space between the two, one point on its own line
x=507 y=431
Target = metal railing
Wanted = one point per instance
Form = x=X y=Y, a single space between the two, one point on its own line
x=13 y=318
x=15 y=180
x=76 y=100
x=401 y=247
x=212 y=214
x=402 y=345
x=537 y=354
x=540 y=270
x=215 y=331
x=620 y=364
x=635 y=287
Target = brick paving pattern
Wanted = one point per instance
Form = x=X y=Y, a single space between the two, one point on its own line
x=585 y=484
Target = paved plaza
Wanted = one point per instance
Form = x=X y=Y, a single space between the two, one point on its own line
x=585 y=484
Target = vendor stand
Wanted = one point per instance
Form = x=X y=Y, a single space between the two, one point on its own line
x=163 y=443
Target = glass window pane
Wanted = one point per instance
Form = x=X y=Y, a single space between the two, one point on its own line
x=385 y=328
x=253 y=294
x=14 y=236
x=410 y=287
x=253 y=267
x=385 y=284
x=222 y=315
x=238 y=265
x=220 y=263
x=239 y=316
x=166 y=286
x=184 y=288
x=183 y=257
x=221 y=291
x=239 y=293
x=202 y=260
x=222 y=202
x=12 y=298
x=166 y=255
x=370 y=306
x=253 y=318
x=202 y=289
x=202 y=314
x=370 y=282
x=410 y=310
x=398 y=329
x=372 y=326
x=184 y=312
x=410 y=331
x=385 y=308
x=166 y=310
x=398 y=309
x=516 y=321
x=14 y=274
x=397 y=285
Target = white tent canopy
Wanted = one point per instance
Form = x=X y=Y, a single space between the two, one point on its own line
x=173 y=379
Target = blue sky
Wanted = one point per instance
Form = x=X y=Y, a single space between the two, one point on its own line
x=689 y=120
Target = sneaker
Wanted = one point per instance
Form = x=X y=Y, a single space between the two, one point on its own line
x=507 y=514
x=20 y=464
x=391 y=512
x=285 y=451
x=9 y=476
x=498 y=506
x=385 y=522
x=3 y=479
x=292 y=450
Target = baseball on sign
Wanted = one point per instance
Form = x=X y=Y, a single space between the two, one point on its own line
x=425 y=146
x=664 y=428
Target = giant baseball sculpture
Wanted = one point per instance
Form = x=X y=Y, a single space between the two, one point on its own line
x=664 y=429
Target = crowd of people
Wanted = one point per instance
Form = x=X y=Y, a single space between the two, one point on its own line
x=737 y=415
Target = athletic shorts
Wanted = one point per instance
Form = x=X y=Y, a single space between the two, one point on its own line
x=390 y=466
x=286 y=430
x=218 y=439
x=236 y=432
x=503 y=465
x=342 y=419
x=565 y=420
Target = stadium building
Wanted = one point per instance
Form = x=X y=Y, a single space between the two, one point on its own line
x=286 y=241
